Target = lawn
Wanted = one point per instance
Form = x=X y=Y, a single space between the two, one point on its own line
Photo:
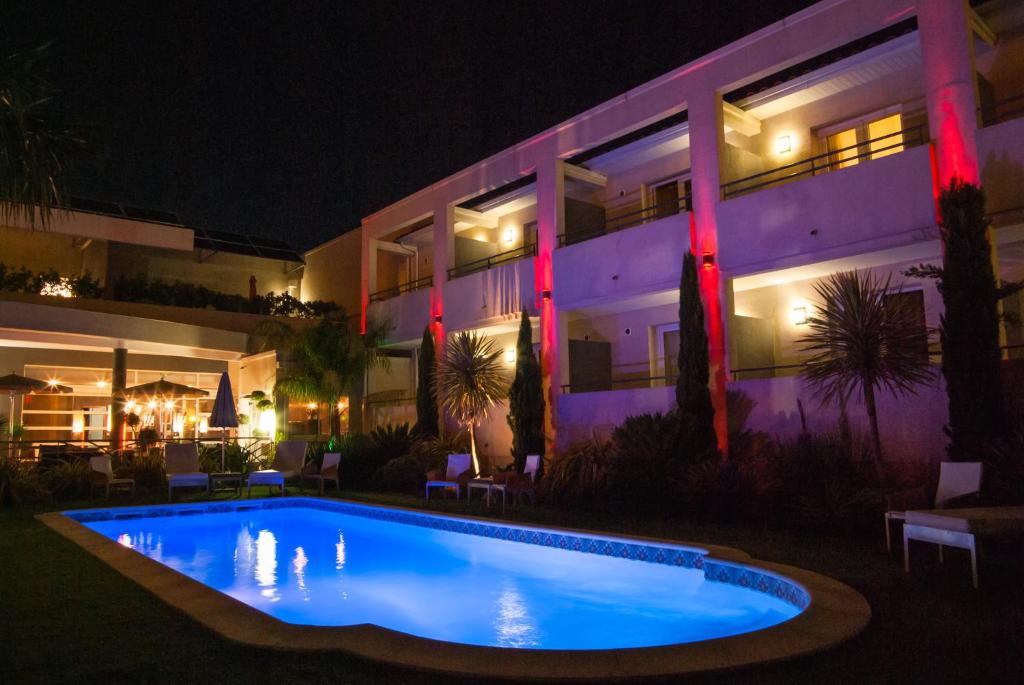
x=67 y=617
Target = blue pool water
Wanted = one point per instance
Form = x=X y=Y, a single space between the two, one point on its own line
x=312 y=566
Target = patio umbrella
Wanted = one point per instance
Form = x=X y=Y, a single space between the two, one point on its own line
x=164 y=389
x=14 y=385
x=224 y=415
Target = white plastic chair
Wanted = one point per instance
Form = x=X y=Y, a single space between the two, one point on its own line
x=530 y=468
x=458 y=464
x=101 y=465
x=328 y=471
x=181 y=464
x=956 y=479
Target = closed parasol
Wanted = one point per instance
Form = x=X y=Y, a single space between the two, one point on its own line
x=224 y=414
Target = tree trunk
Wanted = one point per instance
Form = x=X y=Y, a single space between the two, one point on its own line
x=472 y=449
x=876 y=440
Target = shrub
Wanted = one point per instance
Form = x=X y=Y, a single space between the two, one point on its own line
x=389 y=442
x=148 y=470
x=67 y=479
x=357 y=466
x=236 y=458
x=577 y=478
x=402 y=474
x=20 y=482
x=643 y=474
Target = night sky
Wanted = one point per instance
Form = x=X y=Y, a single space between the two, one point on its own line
x=295 y=119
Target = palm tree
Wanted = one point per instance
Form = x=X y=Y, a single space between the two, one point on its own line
x=861 y=337
x=470 y=382
x=34 y=146
x=326 y=360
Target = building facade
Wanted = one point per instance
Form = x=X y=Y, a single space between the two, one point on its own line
x=814 y=145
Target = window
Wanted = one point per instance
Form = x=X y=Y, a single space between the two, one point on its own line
x=885 y=136
x=911 y=306
x=881 y=135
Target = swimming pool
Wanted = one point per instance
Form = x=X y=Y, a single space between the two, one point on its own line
x=310 y=562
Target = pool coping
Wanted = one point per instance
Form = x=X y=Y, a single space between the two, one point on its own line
x=836 y=613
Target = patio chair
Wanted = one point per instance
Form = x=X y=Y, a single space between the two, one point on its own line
x=959 y=483
x=328 y=471
x=518 y=484
x=289 y=459
x=102 y=476
x=181 y=464
x=456 y=476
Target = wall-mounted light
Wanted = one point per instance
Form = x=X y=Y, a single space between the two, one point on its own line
x=545 y=294
x=799 y=316
x=783 y=144
x=510 y=355
x=510 y=234
x=78 y=423
x=101 y=384
x=438 y=318
x=707 y=260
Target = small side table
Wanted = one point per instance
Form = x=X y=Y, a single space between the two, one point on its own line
x=480 y=484
x=219 y=480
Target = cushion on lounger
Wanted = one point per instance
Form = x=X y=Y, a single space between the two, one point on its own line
x=983 y=520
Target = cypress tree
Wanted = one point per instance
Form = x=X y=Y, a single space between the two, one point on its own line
x=697 y=440
x=426 y=397
x=969 y=328
x=526 y=401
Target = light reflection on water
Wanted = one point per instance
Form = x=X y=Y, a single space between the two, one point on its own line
x=345 y=570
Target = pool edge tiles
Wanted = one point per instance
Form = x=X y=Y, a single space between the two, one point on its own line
x=833 y=612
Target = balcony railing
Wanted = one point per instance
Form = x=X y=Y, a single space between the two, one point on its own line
x=828 y=161
x=1004 y=110
x=486 y=263
x=628 y=376
x=401 y=289
x=628 y=220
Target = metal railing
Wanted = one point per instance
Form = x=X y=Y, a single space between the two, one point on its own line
x=1004 y=110
x=402 y=288
x=258 y=450
x=913 y=136
x=628 y=376
x=628 y=220
x=524 y=252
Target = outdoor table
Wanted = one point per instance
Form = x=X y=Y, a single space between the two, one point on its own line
x=226 y=478
x=480 y=484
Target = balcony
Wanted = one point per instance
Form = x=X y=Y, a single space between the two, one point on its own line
x=490 y=294
x=833 y=160
x=408 y=313
x=401 y=289
x=874 y=205
x=644 y=259
x=478 y=265
x=624 y=220
x=1001 y=162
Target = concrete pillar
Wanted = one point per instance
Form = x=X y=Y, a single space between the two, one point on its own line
x=947 y=53
x=707 y=136
x=550 y=223
x=444 y=259
x=118 y=382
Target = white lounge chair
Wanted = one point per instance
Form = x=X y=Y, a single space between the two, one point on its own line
x=288 y=461
x=102 y=475
x=457 y=474
x=960 y=528
x=518 y=483
x=328 y=471
x=956 y=480
x=181 y=464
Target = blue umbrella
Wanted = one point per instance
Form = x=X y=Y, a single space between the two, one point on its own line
x=224 y=415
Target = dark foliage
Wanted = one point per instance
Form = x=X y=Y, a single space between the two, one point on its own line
x=526 y=401
x=403 y=474
x=969 y=327
x=426 y=397
x=696 y=439
x=26 y=281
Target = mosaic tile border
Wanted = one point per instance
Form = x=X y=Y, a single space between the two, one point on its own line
x=714 y=570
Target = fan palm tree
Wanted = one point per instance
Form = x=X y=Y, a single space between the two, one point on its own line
x=327 y=360
x=34 y=146
x=861 y=337
x=470 y=382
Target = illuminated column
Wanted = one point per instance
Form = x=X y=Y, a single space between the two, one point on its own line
x=444 y=254
x=704 y=107
x=367 y=263
x=118 y=382
x=947 y=52
x=550 y=220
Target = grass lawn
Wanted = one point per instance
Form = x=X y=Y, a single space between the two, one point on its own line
x=66 y=617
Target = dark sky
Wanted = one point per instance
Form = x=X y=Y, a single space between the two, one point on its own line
x=295 y=119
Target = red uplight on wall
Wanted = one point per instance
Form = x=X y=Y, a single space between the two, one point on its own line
x=708 y=260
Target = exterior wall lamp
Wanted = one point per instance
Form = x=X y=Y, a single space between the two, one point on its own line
x=545 y=294
x=783 y=144
x=438 y=318
x=707 y=260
